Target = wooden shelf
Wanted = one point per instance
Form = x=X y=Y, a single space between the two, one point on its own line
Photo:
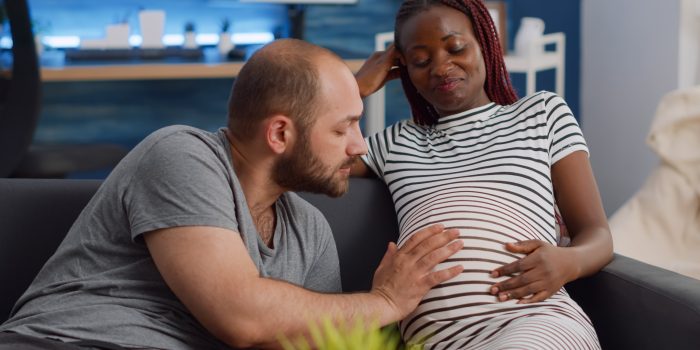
x=151 y=71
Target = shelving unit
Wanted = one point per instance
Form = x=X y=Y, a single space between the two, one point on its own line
x=536 y=61
x=150 y=71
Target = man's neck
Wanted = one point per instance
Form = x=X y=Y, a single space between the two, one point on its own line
x=253 y=170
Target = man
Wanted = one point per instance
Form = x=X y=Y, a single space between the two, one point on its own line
x=193 y=241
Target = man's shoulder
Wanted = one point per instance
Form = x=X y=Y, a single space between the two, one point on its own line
x=179 y=140
x=180 y=132
x=175 y=153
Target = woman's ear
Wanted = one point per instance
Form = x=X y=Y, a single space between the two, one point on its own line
x=279 y=132
x=401 y=61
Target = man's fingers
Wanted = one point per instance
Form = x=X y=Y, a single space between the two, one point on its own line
x=421 y=235
x=430 y=260
x=420 y=254
x=390 y=252
x=437 y=277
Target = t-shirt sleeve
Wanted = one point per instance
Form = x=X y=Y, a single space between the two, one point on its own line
x=564 y=133
x=324 y=275
x=179 y=181
x=378 y=150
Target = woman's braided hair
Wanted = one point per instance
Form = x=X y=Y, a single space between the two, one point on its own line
x=497 y=84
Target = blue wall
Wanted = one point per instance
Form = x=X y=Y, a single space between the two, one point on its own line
x=559 y=16
x=124 y=112
x=88 y=18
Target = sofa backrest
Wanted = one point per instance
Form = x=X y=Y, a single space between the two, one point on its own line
x=363 y=223
x=36 y=214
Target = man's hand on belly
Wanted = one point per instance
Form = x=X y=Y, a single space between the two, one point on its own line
x=405 y=275
x=537 y=276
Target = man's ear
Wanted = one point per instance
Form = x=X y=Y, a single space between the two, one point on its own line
x=279 y=133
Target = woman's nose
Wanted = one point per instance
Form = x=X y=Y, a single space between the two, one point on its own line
x=442 y=67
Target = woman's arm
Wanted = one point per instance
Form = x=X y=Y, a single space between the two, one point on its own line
x=577 y=195
x=372 y=76
x=360 y=169
x=546 y=268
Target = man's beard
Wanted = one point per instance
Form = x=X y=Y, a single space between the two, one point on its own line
x=302 y=171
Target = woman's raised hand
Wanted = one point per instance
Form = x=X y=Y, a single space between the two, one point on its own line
x=377 y=70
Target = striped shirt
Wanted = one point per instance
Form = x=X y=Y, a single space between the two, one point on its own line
x=486 y=172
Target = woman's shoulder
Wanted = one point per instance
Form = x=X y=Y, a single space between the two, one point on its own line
x=398 y=128
x=536 y=102
x=542 y=96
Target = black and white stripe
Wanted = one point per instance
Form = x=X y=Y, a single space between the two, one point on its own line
x=486 y=172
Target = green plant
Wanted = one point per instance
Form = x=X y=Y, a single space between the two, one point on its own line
x=330 y=335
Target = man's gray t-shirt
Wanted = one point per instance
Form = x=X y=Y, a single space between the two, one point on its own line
x=101 y=284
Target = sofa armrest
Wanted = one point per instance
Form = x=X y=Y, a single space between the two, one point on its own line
x=634 y=305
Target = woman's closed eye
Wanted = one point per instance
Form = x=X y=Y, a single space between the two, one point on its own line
x=457 y=50
x=420 y=62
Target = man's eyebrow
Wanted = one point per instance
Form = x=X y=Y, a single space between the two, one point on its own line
x=350 y=119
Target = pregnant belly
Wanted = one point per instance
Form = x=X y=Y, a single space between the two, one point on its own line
x=482 y=252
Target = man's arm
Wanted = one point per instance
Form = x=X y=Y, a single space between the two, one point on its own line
x=210 y=271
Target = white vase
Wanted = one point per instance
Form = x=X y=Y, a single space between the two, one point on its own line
x=190 y=41
x=531 y=28
x=225 y=44
x=38 y=44
x=117 y=36
x=152 y=23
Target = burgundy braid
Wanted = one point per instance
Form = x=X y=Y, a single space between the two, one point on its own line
x=497 y=85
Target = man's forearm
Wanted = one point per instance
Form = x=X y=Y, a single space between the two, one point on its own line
x=279 y=309
x=242 y=309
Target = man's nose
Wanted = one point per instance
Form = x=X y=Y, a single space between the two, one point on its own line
x=357 y=145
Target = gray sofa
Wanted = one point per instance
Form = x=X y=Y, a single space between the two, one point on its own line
x=633 y=305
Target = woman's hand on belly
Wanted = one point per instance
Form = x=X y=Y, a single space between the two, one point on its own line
x=537 y=276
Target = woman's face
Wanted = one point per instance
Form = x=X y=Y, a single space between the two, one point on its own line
x=444 y=59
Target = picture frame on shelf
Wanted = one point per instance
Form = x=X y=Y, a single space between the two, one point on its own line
x=497 y=9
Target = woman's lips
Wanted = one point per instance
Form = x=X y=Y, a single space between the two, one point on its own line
x=447 y=85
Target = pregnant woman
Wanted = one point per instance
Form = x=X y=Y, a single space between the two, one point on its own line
x=476 y=158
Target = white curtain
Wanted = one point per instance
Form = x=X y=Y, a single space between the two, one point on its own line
x=660 y=224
